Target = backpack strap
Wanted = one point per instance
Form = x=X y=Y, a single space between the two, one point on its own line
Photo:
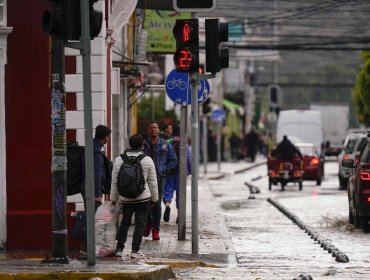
x=124 y=157
x=141 y=156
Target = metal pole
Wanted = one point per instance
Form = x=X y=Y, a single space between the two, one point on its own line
x=183 y=173
x=194 y=160
x=59 y=153
x=89 y=156
x=219 y=146
x=205 y=144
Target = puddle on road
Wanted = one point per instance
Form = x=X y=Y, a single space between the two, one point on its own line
x=239 y=204
x=337 y=223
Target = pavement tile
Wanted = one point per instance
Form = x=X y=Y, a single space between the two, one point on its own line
x=215 y=245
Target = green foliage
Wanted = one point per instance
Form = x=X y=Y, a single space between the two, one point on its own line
x=152 y=107
x=361 y=91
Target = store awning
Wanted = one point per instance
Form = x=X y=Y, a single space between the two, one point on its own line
x=231 y=106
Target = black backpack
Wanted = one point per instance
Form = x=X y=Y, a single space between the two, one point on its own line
x=75 y=172
x=76 y=169
x=130 y=181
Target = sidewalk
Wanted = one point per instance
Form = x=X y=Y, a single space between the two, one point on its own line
x=215 y=245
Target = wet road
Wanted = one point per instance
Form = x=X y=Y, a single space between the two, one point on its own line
x=270 y=246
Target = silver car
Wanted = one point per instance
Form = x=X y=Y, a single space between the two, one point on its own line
x=352 y=147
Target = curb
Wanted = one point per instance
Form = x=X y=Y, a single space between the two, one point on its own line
x=249 y=167
x=107 y=271
x=324 y=243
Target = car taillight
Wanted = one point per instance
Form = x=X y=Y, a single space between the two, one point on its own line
x=315 y=161
x=274 y=174
x=298 y=174
x=345 y=156
x=365 y=176
x=368 y=199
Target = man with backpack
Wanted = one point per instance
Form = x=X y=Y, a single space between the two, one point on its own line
x=165 y=160
x=134 y=184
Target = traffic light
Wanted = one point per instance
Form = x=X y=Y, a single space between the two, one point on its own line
x=273 y=95
x=63 y=20
x=96 y=20
x=186 y=33
x=217 y=57
x=206 y=105
x=194 y=4
x=275 y=98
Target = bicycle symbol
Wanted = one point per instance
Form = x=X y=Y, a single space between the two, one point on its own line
x=177 y=83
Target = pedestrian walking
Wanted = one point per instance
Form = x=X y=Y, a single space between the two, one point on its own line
x=167 y=132
x=172 y=184
x=101 y=174
x=235 y=143
x=165 y=160
x=252 y=142
x=138 y=205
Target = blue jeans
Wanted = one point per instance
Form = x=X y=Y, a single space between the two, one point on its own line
x=171 y=186
x=141 y=212
x=155 y=213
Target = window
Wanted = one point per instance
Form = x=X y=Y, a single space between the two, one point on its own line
x=2 y=13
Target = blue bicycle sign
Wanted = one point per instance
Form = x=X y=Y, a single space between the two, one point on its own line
x=176 y=83
x=178 y=88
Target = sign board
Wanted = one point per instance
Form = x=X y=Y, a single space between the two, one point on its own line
x=178 y=88
x=159 y=25
x=194 y=6
x=218 y=115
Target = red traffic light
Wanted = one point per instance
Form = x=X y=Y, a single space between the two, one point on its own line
x=184 y=31
x=183 y=59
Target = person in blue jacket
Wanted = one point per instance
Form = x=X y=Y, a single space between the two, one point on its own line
x=173 y=178
x=165 y=160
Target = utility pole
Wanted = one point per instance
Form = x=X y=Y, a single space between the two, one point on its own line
x=59 y=155
x=183 y=173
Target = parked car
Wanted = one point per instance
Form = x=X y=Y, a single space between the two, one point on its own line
x=359 y=188
x=352 y=146
x=312 y=169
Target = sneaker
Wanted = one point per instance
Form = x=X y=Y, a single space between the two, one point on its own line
x=118 y=252
x=147 y=229
x=155 y=234
x=137 y=255
x=83 y=249
x=83 y=252
x=166 y=215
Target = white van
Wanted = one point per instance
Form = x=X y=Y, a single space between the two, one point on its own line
x=304 y=124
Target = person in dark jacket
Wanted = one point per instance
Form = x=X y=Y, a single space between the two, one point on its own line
x=102 y=136
x=286 y=150
x=235 y=143
x=165 y=160
x=251 y=142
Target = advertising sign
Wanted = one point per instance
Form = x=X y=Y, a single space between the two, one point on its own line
x=159 y=25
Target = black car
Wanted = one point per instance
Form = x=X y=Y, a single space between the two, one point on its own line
x=359 y=187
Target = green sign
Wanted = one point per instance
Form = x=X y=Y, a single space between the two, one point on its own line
x=159 y=25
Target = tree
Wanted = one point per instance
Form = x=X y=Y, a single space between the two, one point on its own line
x=361 y=91
x=145 y=112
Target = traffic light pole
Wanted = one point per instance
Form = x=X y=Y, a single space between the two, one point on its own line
x=183 y=173
x=89 y=158
x=194 y=80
